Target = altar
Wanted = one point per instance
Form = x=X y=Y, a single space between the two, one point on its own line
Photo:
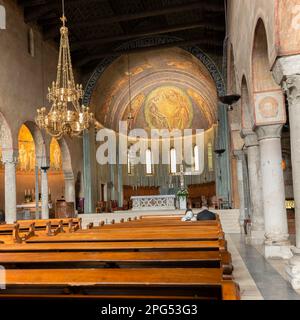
x=146 y=203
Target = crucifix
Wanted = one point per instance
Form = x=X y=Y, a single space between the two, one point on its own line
x=183 y=173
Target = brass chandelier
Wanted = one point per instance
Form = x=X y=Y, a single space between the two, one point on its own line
x=62 y=120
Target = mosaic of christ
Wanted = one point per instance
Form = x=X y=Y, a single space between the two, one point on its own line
x=168 y=107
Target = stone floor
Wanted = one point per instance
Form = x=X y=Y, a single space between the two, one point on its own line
x=259 y=278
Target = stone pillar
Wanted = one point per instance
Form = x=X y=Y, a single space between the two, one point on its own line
x=255 y=184
x=70 y=188
x=89 y=168
x=292 y=87
x=240 y=178
x=10 y=159
x=120 y=185
x=276 y=228
x=44 y=193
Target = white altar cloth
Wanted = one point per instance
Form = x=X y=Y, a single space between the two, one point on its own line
x=145 y=203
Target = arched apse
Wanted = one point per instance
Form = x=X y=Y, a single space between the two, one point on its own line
x=224 y=188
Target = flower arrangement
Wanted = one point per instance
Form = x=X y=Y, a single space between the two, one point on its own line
x=182 y=193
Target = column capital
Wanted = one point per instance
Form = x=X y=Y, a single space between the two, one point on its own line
x=10 y=156
x=268 y=132
x=285 y=67
x=291 y=85
x=250 y=138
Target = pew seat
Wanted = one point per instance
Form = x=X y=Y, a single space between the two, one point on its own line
x=126 y=283
x=218 y=245
x=200 y=259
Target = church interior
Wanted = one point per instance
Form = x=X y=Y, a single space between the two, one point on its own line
x=117 y=117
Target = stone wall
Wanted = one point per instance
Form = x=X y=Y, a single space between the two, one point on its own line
x=24 y=79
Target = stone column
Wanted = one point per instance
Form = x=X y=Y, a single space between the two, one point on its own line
x=276 y=228
x=292 y=87
x=255 y=184
x=44 y=193
x=240 y=178
x=120 y=185
x=70 y=188
x=10 y=159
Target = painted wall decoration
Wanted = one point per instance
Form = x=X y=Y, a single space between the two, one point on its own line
x=168 y=108
x=169 y=89
x=26 y=161
x=269 y=108
x=288 y=22
x=55 y=156
x=26 y=151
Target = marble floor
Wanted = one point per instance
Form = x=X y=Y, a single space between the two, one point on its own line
x=259 y=278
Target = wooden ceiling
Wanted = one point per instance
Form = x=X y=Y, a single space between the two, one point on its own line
x=99 y=27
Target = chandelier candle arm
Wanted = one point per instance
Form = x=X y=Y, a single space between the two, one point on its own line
x=62 y=120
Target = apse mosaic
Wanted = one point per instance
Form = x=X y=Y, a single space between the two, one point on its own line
x=168 y=108
x=169 y=89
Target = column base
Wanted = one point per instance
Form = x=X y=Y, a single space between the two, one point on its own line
x=293 y=269
x=281 y=251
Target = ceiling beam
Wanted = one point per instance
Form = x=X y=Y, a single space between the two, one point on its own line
x=203 y=43
x=54 y=30
x=35 y=9
x=124 y=37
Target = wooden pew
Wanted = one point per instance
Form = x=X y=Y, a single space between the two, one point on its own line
x=122 y=283
x=127 y=237
x=24 y=225
x=175 y=259
x=218 y=245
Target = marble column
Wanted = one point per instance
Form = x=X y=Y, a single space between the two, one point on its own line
x=10 y=159
x=120 y=185
x=44 y=193
x=292 y=88
x=255 y=185
x=70 y=188
x=277 y=243
x=240 y=178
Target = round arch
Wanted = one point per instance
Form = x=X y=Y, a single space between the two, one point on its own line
x=155 y=41
x=261 y=75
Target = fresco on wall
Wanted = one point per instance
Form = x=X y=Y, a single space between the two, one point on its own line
x=55 y=156
x=168 y=108
x=288 y=22
x=26 y=162
x=169 y=89
x=269 y=108
x=26 y=151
